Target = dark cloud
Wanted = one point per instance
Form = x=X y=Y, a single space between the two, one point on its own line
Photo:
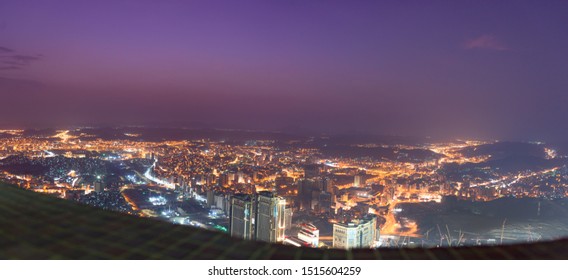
x=26 y=58
x=17 y=61
x=10 y=68
x=5 y=50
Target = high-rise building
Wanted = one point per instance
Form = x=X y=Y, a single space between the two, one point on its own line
x=324 y=202
x=232 y=177
x=305 y=189
x=359 y=180
x=328 y=185
x=241 y=223
x=222 y=201
x=356 y=234
x=314 y=202
x=270 y=217
x=283 y=181
x=240 y=177
x=263 y=217
x=99 y=187
x=210 y=179
x=210 y=198
x=224 y=179
x=288 y=218
x=312 y=170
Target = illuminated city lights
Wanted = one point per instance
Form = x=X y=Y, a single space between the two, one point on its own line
x=173 y=179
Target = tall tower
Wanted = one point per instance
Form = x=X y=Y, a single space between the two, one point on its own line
x=305 y=191
x=270 y=217
x=242 y=212
x=359 y=180
x=99 y=187
x=312 y=170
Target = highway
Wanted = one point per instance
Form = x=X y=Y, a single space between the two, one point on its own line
x=157 y=180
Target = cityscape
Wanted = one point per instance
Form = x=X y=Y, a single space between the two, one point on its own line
x=324 y=191
x=283 y=130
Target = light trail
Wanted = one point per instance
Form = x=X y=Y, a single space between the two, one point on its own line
x=49 y=153
x=156 y=179
x=393 y=227
x=516 y=179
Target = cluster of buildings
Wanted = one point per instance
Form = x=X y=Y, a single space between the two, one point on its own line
x=260 y=186
x=265 y=217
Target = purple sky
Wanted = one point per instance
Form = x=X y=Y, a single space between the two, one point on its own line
x=476 y=68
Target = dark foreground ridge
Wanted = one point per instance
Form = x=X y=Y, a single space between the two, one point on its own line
x=37 y=226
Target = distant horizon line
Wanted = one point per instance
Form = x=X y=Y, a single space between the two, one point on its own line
x=291 y=132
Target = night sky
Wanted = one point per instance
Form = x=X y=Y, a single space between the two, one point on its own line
x=496 y=69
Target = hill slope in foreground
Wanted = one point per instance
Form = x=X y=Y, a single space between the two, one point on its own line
x=37 y=226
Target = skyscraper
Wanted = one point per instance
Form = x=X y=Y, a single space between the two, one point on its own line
x=210 y=198
x=270 y=217
x=324 y=202
x=312 y=170
x=357 y=234
x=288 y=219
x=359 y=180
x=224 y=179
x=242 y=213
x=99 y=187
x=328 y=185
x=305 y=189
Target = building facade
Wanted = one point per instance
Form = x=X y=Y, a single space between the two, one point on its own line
x=241 y=223
x=356 y=234
x=270 y=218
x=309 y=234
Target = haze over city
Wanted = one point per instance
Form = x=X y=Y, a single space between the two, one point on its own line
x=493 y=70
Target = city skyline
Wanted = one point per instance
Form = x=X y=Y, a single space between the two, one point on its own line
x=319 y=192
x=445 y=69
x=327 y=135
